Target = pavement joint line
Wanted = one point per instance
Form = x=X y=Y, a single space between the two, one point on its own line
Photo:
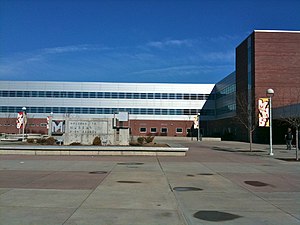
x=179 y=208
x=87 y=196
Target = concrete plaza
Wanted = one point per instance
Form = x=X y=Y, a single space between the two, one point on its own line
x=216 y=183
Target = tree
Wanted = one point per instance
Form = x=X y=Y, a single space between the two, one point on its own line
x=246 y=116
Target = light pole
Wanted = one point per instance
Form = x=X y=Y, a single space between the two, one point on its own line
x=270 y=94
x=198 y=127
x=24 y=123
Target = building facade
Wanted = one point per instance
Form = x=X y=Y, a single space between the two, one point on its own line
x=154 y=109
x=265 y=59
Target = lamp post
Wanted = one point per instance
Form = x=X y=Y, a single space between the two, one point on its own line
x=198 y=127
x=24 y=123
x=270 y=94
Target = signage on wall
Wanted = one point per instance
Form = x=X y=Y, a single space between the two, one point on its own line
x=57 y=127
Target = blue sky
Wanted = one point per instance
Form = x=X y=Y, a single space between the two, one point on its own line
x=170 y=41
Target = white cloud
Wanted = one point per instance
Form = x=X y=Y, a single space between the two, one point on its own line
x=170 y=43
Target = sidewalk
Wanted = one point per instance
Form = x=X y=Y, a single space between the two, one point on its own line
x=216 y=182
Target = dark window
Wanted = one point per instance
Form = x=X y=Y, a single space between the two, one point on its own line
x=92 y=94
x=164 y=130
x=164 y=95
x=114 y=95
x=178 y=130
x=56 y=94
x=78 y=94
x=157 y=96
x=121 y=95
x=150 y=95
x=85 y=94
x=143 y=129
x=153 y=130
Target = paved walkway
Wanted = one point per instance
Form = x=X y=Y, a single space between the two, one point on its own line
x=216 y=183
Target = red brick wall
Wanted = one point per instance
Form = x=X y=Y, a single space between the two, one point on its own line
x=158 y=124
x=34 y=125
x=277 y=66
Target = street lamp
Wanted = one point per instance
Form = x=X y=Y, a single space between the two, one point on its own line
x=198 y=127
x=270 y=94
x=24 y=122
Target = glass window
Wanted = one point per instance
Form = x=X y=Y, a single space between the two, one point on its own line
x=63 y=94
x=178 y=96
x=55 y=110
x=92 y=94
x=107 y=111
x=99 y=111
x=78 y=94
x=153 y=129
x=85 y=94
x=78 y=110
x=143 y=129
x=34 y=93
x=70 y=94
x=157 y=112
x=150 y=95
x=11 y=94
x=143 y=96
x=107 y=94
x=100 y=94
x=178 y=130
x=114 y=95
x=143 y=111
x=128 y=95
x=135 y=111
x=41 y=94
x=164 y=112
x=19 y=93
x=193 y=96
x=92 y=111
x=157 y=96
x=121 y=95
x=150 y=111
x=164 y=95
x=49 y=94
x=136 y=95
x=85 y=110
x=171 y=96
x=186 y=96
x=56 y=94
x=164 y=130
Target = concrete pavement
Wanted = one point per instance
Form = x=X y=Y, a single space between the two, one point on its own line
x=216 y=183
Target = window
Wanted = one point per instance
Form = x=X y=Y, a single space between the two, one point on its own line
x=92 y=94
x=85 y=94
x=164 y=130
x=178 y=130
x=143 y=129
x=153 y=130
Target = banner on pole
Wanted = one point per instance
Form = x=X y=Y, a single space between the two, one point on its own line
x=20 y=120
x=196 y=122
x=264 y=112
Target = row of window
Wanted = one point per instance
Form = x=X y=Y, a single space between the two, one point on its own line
x=163 y=130
x=114 y=95
x=30 y=125
x=226 y=91
x=78 y=110
x=226 y=109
